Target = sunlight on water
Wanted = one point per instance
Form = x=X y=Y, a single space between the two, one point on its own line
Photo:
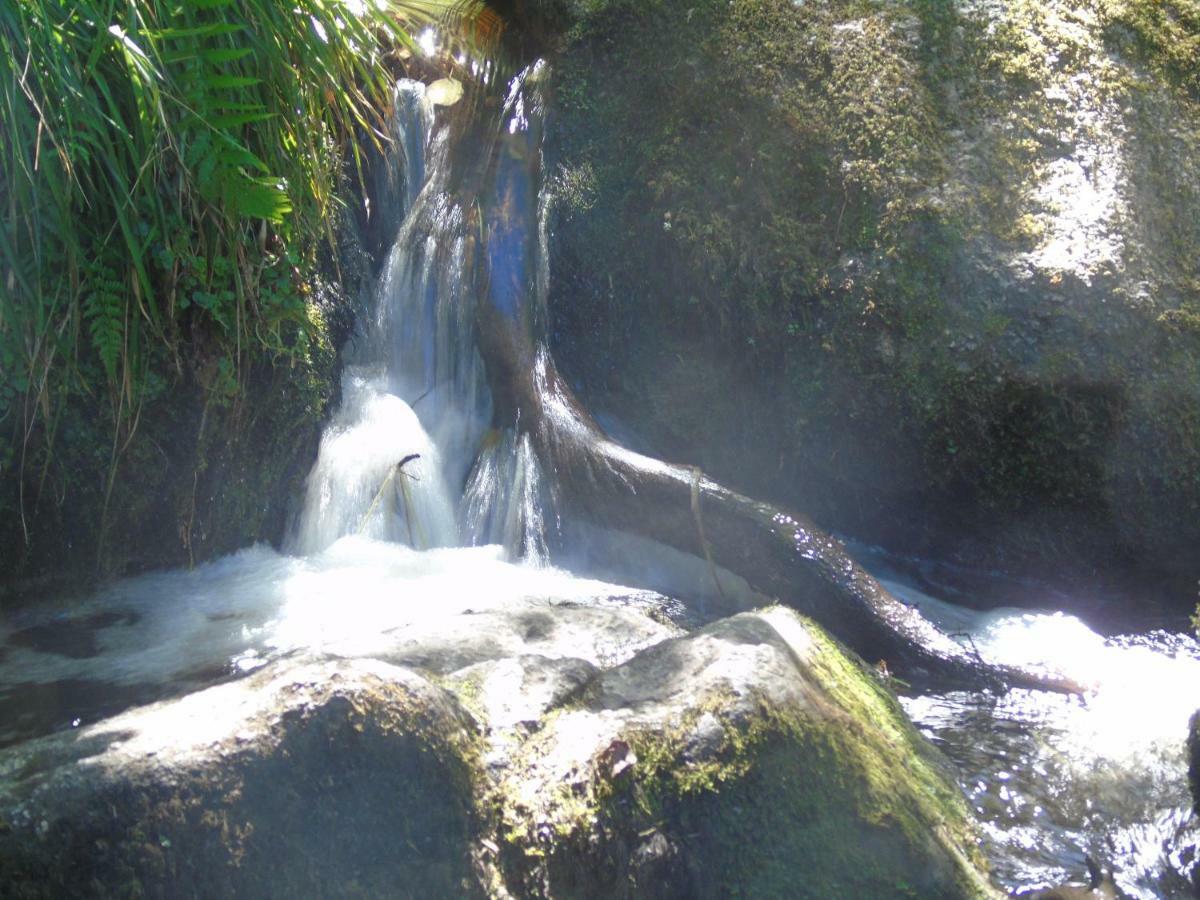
x=377 y=589
x=1053 y=777
x=1142 y=690
x=355 y=486
x=181 y=628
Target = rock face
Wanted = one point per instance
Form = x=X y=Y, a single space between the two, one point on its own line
x=754 y=755
x=924 y=270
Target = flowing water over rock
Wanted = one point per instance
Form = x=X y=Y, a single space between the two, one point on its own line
x=1057 y=778
x=165 y=633
x=425 y=540
x=363 y=570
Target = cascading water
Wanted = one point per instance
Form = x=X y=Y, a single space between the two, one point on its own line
x=416 y=389
x=415 y=511
x=505 y=497
x=358 y=484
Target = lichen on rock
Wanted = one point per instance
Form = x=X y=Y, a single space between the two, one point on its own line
x=755 y=758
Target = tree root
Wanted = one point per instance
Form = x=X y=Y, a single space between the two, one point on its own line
x=780 y=553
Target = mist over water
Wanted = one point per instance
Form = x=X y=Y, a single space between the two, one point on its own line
x=417 y=512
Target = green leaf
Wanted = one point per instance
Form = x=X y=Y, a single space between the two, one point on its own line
x=214 y=30
x=260 y=201
x=236 y=157
x=106 y=322
x=230 y=81
x=225 y=54
x=233 y=120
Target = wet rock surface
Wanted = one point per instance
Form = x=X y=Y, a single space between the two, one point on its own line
x=141 y=650
x=1193 y=747
x=332 y=779
x=545 y=758
x=753 y=756
x=922 y=270
x=601 y=635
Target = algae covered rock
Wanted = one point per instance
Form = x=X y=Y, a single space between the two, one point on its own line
x=534 y=752
x=923 y=269
x=755 y=758
x=325 y=779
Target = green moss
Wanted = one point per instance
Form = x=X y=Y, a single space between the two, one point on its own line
x=847 y=794
x=848 y=193
x=835 y=796
x=1164 y=34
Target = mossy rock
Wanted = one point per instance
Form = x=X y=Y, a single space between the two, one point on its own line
x=1193 y=749
x=330 y=779
x=924 y=269
x=754 y=758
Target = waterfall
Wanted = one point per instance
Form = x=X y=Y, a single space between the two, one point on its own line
x=505 y=496
x=355 y=486
x=409 y=456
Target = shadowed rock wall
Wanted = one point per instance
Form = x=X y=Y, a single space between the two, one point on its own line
x=924 y=270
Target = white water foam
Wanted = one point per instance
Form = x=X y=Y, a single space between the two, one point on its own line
x=1054 y=777
x=358 y=485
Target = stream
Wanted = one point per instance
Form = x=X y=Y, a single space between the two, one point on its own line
x=417 y=512
x=1054 y=778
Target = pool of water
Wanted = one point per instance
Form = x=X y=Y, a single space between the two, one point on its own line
x=1053 y=778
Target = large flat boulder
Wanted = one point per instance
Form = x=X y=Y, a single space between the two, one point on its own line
x=541 y=752
x=754 y=758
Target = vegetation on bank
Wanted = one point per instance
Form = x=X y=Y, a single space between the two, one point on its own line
x=170 y=170
x=170 y=178
x=174 y=265
x=847 y=248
